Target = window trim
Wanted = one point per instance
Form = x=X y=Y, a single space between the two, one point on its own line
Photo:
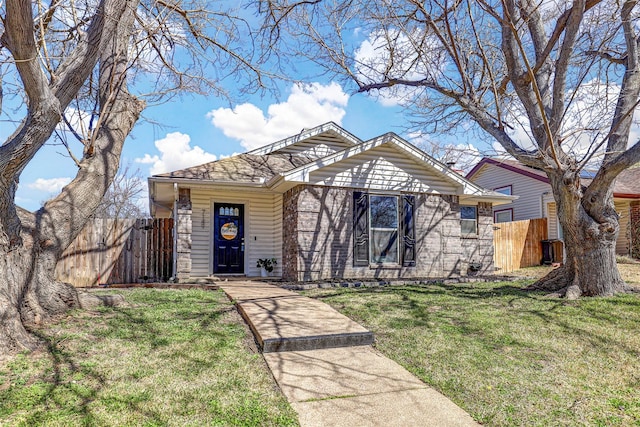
x=510 y=187
x=475 y=220
x=397 y=230
x=495 y=213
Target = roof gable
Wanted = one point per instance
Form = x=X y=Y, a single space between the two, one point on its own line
x=441 y=179
x=329 y=137
x=511 y=165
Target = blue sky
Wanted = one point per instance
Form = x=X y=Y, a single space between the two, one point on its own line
x=195 y=129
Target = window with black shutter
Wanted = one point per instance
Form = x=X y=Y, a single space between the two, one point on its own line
x=360 y=228
x=408 y=229
x=384 y=230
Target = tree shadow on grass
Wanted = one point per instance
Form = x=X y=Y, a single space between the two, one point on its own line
x=69 y=385
x=455 y=305
x=74 y=384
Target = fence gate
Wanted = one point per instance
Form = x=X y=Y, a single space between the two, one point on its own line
x=518 y=244
x=119 y=251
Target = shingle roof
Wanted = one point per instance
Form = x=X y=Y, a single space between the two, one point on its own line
x=627 y=183
x=242 y=168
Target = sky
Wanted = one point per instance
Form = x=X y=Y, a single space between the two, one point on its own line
x=192 y=130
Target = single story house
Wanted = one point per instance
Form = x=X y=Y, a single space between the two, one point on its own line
x=536 y=199
x=327 y=205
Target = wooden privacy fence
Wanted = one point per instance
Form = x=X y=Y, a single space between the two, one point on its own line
x=119 y=251
x=518 y=244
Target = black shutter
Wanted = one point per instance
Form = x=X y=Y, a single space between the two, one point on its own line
x=408 y=231
x=360 y=229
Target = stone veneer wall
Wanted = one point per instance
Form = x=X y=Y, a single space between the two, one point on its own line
x=480 y=249
x=318 y=237
x=183 y=231
x=290 y=232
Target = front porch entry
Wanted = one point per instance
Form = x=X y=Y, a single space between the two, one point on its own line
x=228 y=238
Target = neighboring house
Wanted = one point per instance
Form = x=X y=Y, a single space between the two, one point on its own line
x=327 y=205
x=536 y=199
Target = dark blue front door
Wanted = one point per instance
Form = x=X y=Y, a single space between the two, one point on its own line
x=228 y=239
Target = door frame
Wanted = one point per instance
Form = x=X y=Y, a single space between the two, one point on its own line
x=212 y=223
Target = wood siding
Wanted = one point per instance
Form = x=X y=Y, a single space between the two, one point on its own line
x=529 y=190
x=623 y=246
x=263 y=227
x=623 y=209
x=518 y=244
x=552 y=223
x=111 y=251
x=382 y=168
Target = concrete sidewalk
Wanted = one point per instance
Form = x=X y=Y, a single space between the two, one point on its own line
x=335 y=381
x=282 y=320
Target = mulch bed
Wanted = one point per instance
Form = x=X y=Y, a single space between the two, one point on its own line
x=368 y=283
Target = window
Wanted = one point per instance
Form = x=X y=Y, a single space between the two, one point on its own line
x=505 y=215
x=504 y=190
x=469 y=220
x=383 y=229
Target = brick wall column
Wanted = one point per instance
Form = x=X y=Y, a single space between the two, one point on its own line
x=183 y=236
x=290 y=233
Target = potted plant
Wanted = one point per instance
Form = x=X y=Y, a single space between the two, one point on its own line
x=266 y=266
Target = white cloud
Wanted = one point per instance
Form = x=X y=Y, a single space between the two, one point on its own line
x=51 y=185
x=307 y=106
x=175 y=153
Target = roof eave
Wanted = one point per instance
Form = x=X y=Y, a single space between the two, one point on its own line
x=200 y=181
x=626 y=195
x=494 y=199
x=488 y=161
x=306 y=134
x=464 y=185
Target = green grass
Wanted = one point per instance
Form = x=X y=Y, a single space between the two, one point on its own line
x=508 y=357
x=168 y=358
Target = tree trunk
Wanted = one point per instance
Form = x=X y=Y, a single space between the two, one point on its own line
x=591 y=229
x=29 y=293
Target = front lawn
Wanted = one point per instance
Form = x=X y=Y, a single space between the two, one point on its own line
x=509 y=357
x=628 y=267
x=169 y=358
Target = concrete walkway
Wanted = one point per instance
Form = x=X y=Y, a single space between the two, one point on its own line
x=330 y=378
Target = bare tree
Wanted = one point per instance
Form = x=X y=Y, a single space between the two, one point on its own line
x=122 y=199
x=555 y=83
x=77 y=66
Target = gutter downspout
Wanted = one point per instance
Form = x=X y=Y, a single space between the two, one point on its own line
x=542 y=210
